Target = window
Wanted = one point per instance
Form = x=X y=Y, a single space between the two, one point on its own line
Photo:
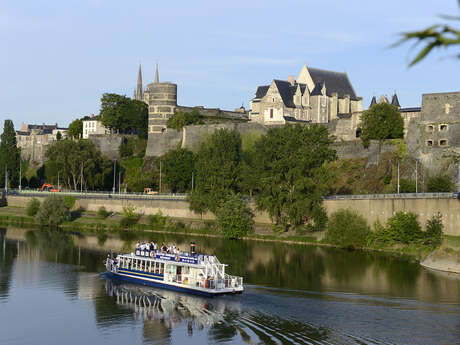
x=443 y=127
x=271 y=113
x=430 y=128
x=429 y=143
x=443 y=142
x=273 y=100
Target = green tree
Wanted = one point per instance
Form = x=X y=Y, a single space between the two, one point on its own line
x=381 y=121
x=178 y=169
x=78 y=162
x=181 y=119
x=9 y=155
x=217 y=170
x=435 y=37
x=439 y=184
x=58 y=135
x=75 y=129
x=123 y=114
x=53 y=211
x=433 y=231
x=234 y=217
x=291 y=176
x=404 y=227
x=32 y=207
x=347 y=228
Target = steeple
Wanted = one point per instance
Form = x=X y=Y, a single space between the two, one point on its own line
x=395 y=100
x=373 y=101
x=139 y=94
x=157 y=79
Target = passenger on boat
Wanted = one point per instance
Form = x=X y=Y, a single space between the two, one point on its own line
x=163 y=248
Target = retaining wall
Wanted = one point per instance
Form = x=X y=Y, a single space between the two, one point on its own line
x=370 y=209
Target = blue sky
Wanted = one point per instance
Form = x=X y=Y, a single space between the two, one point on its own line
x=58 y=57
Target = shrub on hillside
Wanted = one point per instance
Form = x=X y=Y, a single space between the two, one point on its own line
x=53 y=211
x=130 y=217
x=404 y=227
x=234 y=217
x=70 y=200
x=156 y=219
x=433 y=231
x=406 y=186
x=32 y=207
x=346 y=228
x=102 y=212
x=439 y=184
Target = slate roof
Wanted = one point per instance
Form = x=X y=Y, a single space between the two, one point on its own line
x=407 y=110
x=373 y=101
x=395 y=101
x=287 y=92
x=335 y=82
x=262 y=91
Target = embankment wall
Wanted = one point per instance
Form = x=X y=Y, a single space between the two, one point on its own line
x=370 y=209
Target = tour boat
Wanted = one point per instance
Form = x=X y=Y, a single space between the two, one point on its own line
x=186 y=272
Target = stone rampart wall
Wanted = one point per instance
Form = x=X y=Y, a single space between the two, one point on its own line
x=370 y=209
x=108 y=144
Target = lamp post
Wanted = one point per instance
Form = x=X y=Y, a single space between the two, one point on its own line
x=160 y=177
x=6 y=179
x=20 y=175
x=114 y=174
x=119 y=182
x=59 y=185
x=398 y=176
x=193 y=175
x=416 y=176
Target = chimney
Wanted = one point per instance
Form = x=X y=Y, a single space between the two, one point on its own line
x=291 y=80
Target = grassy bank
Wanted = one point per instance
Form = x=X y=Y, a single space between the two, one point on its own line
x=92 y=223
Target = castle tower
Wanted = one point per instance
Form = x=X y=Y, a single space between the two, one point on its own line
x=162 y=101
x=139 y=94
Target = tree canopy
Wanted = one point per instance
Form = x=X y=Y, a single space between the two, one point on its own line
x=291 y=176
x=124 y=114
x=9 y=155
x=217 y=170
x=77 y=162
x=178 y=168
x=381 y=121
x=75 y=129
x=181 y=119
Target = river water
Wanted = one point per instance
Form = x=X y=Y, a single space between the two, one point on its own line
x=52 y=292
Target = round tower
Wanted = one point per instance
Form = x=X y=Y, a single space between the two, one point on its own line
x=162 y=101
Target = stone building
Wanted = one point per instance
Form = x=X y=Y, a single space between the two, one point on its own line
x=434 y=137
x=316 y=96
x=93 y=126
x=34 y=140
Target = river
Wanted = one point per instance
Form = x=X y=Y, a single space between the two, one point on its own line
x=52 y=292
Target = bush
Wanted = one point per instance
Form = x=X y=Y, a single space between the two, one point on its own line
x=439 y=184
x=433 y=231
x=406 y=186
x=102 y=212
x=156 y=219
x=234 y=217
x=127 y=222
x=53 y=211
x=32 y=207
x=404 y=227
x=130 y=217
x=70 y=200
x=346 y=228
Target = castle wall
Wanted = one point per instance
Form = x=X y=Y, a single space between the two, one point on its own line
x=108 y=144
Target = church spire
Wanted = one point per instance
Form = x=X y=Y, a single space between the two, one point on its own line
x=139 y=92
x=157 y=78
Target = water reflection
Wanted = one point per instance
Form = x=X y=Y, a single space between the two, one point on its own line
x=294 y=294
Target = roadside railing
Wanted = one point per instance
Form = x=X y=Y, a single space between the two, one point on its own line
x=395 y=196
x=99 y=194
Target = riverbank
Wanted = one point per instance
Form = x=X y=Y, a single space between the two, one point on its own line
x=445 y=258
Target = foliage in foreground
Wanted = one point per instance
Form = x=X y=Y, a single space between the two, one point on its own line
x=32 y=207
x=234 y=217
x=130 y=217
x=348 y=229
x=102 y=212
x=53 y=211
x=181 y=119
